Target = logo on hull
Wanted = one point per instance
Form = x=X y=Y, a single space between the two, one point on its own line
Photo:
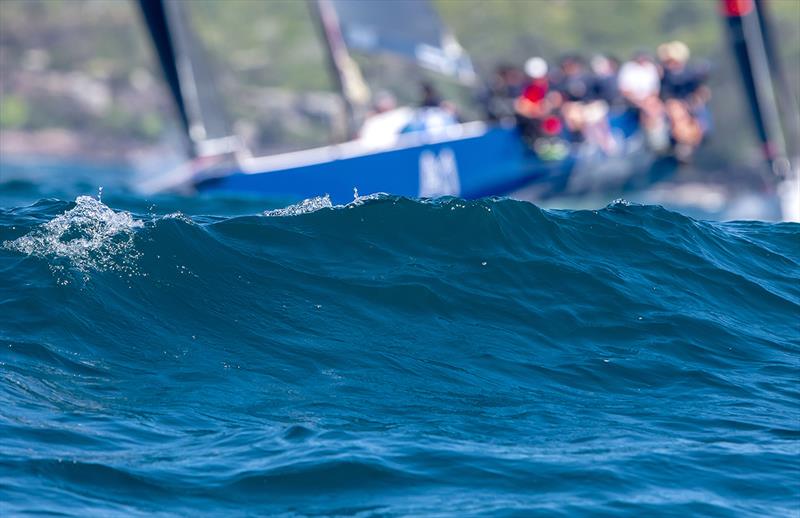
x=438 y=174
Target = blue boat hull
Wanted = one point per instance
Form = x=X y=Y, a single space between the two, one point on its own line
x=492 y=161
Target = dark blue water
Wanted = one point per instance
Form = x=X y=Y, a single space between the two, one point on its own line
x=394 y=357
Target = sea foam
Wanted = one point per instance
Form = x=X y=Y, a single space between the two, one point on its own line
x=90 y=236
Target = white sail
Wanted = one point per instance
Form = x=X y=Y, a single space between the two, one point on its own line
x=409 y=29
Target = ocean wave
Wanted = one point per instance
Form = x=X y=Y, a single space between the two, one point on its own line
x=397 y=356
x=89 y=236
x=304 y=207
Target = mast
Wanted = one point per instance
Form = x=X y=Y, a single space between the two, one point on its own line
x=748 y=48
x=789 y=187
x=345 y=72
x=786 y=99
x=190 y=80
x=753 y=51
x=155 y=17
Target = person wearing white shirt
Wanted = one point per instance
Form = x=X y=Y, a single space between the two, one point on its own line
x=639 y=79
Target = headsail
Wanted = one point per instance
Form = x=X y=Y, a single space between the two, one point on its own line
x=190 y=78
x=372 y=27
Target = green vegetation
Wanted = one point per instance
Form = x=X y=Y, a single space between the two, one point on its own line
x=85 y=66
x=13 y=111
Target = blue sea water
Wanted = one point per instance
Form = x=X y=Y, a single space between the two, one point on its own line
x=391 y=357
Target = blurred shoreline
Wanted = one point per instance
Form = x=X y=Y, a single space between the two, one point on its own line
x=79 y=81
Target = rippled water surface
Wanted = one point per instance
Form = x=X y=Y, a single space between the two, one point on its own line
x=394 y=357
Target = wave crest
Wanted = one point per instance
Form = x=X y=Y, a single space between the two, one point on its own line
x=304 y=207
x=89 y=236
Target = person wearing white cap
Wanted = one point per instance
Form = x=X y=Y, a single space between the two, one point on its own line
x=679 y=80
x=533 y=103
x=541 y=128
x=536 y=68
x=684 y=98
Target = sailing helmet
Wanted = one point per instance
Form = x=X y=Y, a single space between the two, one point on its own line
x=536 y=68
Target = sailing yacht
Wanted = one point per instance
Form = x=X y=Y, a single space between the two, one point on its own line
x=469 y=160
